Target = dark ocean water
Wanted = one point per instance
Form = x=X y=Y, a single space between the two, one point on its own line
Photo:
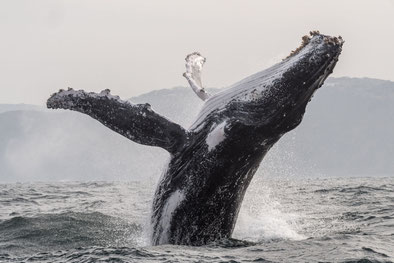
x=303 y=220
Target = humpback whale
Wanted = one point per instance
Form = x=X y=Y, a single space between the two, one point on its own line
x=199 y=195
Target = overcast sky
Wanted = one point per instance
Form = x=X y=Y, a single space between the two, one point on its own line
x=133 y=47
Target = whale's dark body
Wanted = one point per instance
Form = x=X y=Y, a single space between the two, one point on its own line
x=199 y=195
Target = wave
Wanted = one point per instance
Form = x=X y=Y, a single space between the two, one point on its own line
x=362 y=189
x=318 y=220
x=67 y=230
x=169 y=253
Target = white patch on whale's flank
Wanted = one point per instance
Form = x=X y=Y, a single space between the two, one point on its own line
x=165 y=222
x=216 y=136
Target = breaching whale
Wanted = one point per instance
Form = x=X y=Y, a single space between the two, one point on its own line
x=212 y=163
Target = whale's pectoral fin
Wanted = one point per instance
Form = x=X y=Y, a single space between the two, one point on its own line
x=137 y=122
x=194 y=64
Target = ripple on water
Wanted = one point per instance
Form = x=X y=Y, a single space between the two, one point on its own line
x=330 y=220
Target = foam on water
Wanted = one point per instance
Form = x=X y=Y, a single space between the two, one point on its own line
x=269 y=224
x=262 y=217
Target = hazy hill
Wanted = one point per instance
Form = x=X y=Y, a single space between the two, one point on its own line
x=15 y=107
x=349 y=127
x=347 y=130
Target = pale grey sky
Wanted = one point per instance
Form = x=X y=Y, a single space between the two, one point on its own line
x=132 y=47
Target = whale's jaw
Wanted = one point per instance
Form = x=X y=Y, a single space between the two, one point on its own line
x=309 y=68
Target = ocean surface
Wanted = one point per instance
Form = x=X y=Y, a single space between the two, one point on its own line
x=281 y=220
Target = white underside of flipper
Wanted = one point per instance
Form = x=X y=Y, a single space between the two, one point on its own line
x=194 y=64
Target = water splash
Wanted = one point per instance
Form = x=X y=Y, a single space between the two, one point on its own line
x=262 y=217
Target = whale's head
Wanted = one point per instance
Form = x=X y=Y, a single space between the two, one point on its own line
x=274 y=100
x=289 y=86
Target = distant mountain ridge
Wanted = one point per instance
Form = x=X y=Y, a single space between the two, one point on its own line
x=347 y=130
x=14 y=107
